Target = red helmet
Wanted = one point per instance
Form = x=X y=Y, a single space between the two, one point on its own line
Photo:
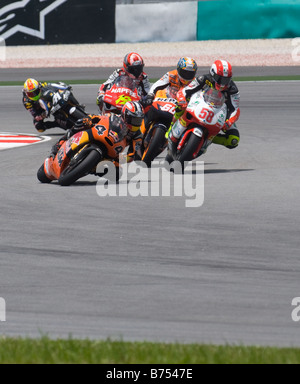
x=133 y=115
x=221 y=72
x=134 y=65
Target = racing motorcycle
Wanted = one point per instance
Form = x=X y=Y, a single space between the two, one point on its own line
x=80 y=155
x=123 y=90
x=62 y=104
x=203 y=119
x=160 y=115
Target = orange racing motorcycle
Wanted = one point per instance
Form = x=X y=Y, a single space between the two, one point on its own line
x=157 y=122
x=80 y=155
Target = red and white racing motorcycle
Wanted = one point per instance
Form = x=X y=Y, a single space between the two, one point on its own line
x=203 y=119
x=123 y=90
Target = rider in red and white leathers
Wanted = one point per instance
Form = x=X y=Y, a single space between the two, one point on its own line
x=219 y=78
x=133 y=67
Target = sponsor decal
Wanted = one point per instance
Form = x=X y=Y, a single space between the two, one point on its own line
x=76 y=139
x=26 y=16
x=60 y=156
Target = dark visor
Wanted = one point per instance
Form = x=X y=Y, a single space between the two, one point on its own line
x=187 y=75
x=136 y=70
x=33 y=94
x=222 y=80
x=135 y=121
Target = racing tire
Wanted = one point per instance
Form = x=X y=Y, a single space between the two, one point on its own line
x=42 y=177
x=80 y=169
x=154 y=149
x=188 y=151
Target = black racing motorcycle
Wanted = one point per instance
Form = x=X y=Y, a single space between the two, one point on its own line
x=61 y=103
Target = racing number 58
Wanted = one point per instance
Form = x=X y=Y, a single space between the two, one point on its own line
x=206 y=114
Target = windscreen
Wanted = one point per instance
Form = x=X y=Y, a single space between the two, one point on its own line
x=126 y=82
x=214 y=98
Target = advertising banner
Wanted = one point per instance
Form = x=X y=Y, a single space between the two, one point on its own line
x=42 y=22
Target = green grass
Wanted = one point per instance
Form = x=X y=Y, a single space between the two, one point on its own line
x=46 y=351
x=73 y=82
x=269 y=78
x=76 y=82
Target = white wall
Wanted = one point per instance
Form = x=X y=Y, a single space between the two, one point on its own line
x=160 y=22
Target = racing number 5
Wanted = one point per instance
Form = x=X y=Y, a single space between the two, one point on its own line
x=207 y=114
x=122 y=100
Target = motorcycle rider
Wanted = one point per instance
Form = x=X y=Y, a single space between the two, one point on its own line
x=219 y=78
x=132 y=116
x=179 y=78
x=36 y=99
x=133 y=67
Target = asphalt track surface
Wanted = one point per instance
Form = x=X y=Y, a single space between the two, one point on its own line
x=140 y=268
x=55 y=74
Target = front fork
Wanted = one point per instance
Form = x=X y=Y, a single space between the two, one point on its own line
x=179 y=132
x=176 y=133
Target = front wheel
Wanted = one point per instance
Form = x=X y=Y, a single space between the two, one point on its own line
x=191 y=149
x=42 y=177
x=78 y=169
x=156 y=146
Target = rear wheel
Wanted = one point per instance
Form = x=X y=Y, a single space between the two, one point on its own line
x=79 y=168
x=155 y=146
x=193 y=145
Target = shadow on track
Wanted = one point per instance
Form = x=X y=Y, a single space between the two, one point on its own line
x=214 y=171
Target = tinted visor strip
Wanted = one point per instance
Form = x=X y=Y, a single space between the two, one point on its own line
x=136 y=121
x=187 y=75
x=222 y=80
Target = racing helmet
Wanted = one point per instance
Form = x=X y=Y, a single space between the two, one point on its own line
x=134 y=65
x=133 y=115
x=187 y=69
x=32 y=89
x=221 y=71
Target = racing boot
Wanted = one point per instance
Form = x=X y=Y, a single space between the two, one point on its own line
x=172 y=148
x=56 y=147
x=230 y=139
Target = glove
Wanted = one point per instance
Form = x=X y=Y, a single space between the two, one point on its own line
x=181 y=100
x=227 y=126
x=85 y=123
x=147 y=100
x=100 y=98
x=42 y=117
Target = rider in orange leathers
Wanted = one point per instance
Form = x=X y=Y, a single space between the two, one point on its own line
x=179 y=78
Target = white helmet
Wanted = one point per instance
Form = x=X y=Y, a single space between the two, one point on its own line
x=221 y=72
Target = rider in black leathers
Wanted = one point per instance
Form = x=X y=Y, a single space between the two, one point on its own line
x=37 y=99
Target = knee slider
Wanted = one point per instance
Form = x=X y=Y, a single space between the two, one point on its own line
x=232 y=138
